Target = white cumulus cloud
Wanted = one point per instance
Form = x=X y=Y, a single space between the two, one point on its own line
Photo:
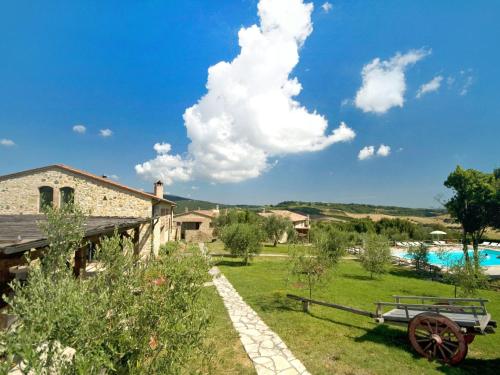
x=433 y=85
x=384 y=83
x=383 y=150
x=105 y=133
x=249 y=116
x=7 y=142
x=81 y=129
x=368 y=152
x=327 y=7
x=162 y=148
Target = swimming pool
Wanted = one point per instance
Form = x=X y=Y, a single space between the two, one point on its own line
x=446 y=258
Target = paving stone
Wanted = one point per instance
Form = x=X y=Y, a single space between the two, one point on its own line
x=265 y=348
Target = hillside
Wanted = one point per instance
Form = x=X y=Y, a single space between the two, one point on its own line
x=317 y=210
x=345 y=209
x=194 y=204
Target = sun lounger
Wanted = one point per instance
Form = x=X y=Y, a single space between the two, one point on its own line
x=437 y=243
x=399 y=244
x=484 y=244
x=494 y=244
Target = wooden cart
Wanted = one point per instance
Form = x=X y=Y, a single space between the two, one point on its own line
x=438 y=328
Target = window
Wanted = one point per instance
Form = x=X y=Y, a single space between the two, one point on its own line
x=67 y=195
x=46 y=197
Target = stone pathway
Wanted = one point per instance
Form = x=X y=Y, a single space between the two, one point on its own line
x=268 y=352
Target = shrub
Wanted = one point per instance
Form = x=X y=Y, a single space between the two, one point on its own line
x=169 y=248
x=376 y=255
x=242 y=240
x=131 y=318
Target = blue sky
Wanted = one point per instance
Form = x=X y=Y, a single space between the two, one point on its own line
x=136 y=67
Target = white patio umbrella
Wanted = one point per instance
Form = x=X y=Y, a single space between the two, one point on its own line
x=438 y=233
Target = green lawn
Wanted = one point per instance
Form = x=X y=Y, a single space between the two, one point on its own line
x=217 y=247
x=227 y=355
x=331 y=341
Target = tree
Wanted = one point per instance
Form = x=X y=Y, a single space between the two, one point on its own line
x=420 y=255
x=376 y=254
x=310 y=264
x=235 y=216
x=242 y=240
x=475 y=205
x=276 y=227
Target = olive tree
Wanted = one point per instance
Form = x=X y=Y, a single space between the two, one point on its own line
x=242 y=240
x=420 y=255
x=275 y=227
x=376 y=254
x=311 y=264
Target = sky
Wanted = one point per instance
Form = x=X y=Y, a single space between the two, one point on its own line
x=254 y=101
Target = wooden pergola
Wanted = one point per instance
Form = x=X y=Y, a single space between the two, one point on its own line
x=21 y=233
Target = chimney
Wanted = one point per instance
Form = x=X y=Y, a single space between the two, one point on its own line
x=158 y=189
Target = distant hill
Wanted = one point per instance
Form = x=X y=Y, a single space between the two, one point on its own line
x=194 y=204
x=318 y=210
x=341 y=209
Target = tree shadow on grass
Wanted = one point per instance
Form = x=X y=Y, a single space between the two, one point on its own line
x=278 y=302
x=414 y=274
x=360 y=277
x=231 y=263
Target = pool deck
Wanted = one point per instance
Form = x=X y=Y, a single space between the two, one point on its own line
x=492 y=271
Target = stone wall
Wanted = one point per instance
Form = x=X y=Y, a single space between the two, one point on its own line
x=186 y=231
x=20 y=195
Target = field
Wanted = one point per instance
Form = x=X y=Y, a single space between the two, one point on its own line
x=331 y=341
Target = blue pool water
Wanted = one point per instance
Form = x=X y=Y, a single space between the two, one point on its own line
x=448 y=257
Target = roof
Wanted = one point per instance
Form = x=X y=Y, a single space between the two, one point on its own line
x=19 y=233
x=292 y=216
x=87 y=175
x=207 y=213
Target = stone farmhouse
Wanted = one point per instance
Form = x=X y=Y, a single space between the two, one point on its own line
x=300 y=222
x=196 y=225
x=145 y=218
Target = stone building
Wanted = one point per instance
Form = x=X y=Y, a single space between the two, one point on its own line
x=196 y=225
x=146 y=218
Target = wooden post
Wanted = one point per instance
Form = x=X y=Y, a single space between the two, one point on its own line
x=305 y=306
x=135 y=240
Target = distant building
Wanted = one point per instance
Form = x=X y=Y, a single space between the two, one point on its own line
x=147 y=219
x=195 y=225
x=300 y=222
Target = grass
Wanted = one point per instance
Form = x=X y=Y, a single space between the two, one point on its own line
x=332 y=341
x=227 y=355
x=217 y=247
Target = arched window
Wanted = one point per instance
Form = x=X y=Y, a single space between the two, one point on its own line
x=67 y=195
x=46 y=197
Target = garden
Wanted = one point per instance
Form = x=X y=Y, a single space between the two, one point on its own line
x=332 y=341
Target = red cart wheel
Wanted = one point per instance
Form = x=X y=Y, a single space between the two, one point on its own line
x=436 y=337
